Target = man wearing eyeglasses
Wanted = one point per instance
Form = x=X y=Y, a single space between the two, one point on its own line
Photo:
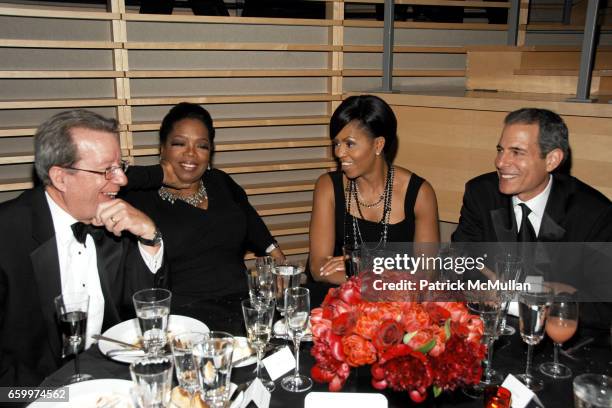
x=70 y=234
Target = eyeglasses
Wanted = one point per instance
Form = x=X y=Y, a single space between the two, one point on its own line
x=108 y=173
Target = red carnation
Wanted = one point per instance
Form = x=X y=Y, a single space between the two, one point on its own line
x=403 y=369
x=459 y=365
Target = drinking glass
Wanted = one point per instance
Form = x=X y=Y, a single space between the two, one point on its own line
x=213 y=361
x=533 y=307
x=182 y=349
x=297 y=310
x=509 y=268
x=490 y=313
x=264 y=262
x=153 y=378
x=262 y=282
x=152 y=309
x=561 y=324
x=71 y=308
x=592 y=391
x=258 y=323
x=287 y=275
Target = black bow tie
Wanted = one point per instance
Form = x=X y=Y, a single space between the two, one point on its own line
x=80 y=231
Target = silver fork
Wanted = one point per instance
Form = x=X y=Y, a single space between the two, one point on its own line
x=111 y=403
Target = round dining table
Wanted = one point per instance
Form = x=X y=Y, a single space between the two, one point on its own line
x=509 y=357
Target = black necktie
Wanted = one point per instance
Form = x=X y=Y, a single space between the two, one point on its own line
x=526 y=233
x=80 y=231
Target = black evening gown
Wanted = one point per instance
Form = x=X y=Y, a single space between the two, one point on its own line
x=205 y=248
x=402 y=231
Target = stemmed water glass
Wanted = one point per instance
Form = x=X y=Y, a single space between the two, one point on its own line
x=258 y=321
x=509 y=268
x=489 y=309
x=297 y=311
x=152 y=309
x=533 y=307
x=561 y=324
x=287 y=275
x=71 y=311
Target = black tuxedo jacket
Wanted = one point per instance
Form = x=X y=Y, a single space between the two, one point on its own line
x=574 y=212
x=30 y=280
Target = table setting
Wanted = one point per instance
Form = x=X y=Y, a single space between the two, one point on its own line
x=242 y=351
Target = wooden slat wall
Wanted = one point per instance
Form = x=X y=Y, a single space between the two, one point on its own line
x=451 y=139
x=270 y=84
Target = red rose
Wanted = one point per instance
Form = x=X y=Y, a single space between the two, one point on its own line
x=358 y=351
x=344 y=323
x=389 y=334
x=437 y=314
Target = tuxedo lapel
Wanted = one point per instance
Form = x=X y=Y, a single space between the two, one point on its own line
x=554 y=212
x=503 y=222
x=108 y=257
x=45 y=265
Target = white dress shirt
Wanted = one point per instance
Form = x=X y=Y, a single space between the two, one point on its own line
x=79 y=268
x=537 y=205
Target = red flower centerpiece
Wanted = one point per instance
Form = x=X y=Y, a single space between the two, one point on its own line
x=410 y=346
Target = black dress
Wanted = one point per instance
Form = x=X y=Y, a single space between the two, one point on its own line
x=205 y=248
x=402 y=231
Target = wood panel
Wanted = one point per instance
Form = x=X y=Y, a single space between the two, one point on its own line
x=449 y=146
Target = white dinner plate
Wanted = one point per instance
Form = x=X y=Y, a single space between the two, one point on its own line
x=241 y=350
x=280 y=329
x=129 y=332
x=93 y=394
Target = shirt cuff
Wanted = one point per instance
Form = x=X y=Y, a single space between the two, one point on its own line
x=153 y=262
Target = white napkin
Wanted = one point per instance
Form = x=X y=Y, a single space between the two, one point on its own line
x=345 y=399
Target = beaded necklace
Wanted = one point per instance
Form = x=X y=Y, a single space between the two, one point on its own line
x=351 y=192
x=194 y=199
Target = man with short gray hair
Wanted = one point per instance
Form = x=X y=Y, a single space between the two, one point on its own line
x=70 y=234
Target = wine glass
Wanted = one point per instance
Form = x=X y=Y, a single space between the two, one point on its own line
x=297 y=310
x=71 y=308
x=258 y=323
x=152 y=309
x=509 y=268
x=561 y=324
x=489 y=310
x=261 y=281
x=533 y=307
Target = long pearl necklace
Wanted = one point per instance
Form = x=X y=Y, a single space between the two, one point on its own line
x=351 y=192
x=194 y=199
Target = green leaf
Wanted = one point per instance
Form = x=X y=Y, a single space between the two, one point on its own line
x=425 y=348
x=437 y=391
x=447 y=330
x=409 y=336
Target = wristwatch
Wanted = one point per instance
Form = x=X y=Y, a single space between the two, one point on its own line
x=271 y=247
x=156 y=240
